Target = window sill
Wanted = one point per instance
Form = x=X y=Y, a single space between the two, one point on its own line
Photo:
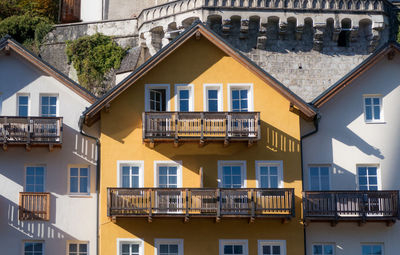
x=375 y=122
x=80 y=195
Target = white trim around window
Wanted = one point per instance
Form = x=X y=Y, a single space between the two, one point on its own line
x=121 y=241
x=33 y=241
x=280 y=243
x=17 y=113
x=372 y=105
x=35 y=184
x=147 y=88
x=179 y=87
x=269 y=163
x=241 y=163
x=138 y=163
x=79 y=192
x=177 y=163
x=243 y=242
x=250 y=95
x=319 y=166
x=378 y=175
x=323 y=250
x=218 y=87
x=158 y=242
x=78 y=251
x=41 y=104
x=371 y=245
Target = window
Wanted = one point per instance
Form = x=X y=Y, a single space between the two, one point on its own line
x=232 y=174
x=269 y=174
x=372 y=249
x=367 y=177
x=78 y=248
x=168 y=174
x=23 y=105
x=319 y=178
x=213 y=98
x=130 y=174
x=35 y=179
x=271 y=247
x=323 y=249
x=157 y=97
x=48 y=106
x=169 y=246
x=240 y=98
x=184 y=97
x=236 y=247
x=79 y=181
x=373 y=109
x=127 y=246
x=33 y=248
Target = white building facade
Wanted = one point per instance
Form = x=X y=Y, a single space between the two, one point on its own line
x=356 y=149
x=48 y=170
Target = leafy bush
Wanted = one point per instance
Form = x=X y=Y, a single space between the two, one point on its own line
x=43 y=8
x=93 y=57
x=26 y=29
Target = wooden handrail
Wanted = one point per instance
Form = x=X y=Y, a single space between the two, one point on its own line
x=34 y=206
x=200 y=202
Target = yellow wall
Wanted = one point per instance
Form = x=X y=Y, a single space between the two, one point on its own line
x=198 y=62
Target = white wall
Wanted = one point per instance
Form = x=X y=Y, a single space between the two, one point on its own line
x=345 y=140
x=71 y=218
x=91 y=10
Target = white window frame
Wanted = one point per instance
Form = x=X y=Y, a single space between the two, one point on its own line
x=49 y=95
x=179 y=87
x=244 y=242
x=29 y=103
x=138 y=163
x=159 y=241
x=278 y=163
x=378 y=174
x=177 y=163
x=121 y=241
x=77 y=242
x=242 y=163
x=79 y=174
x=218 y=87
x=44 y=175
x=373 y=243
x=32 y=241
x=382 y=119
x=281 y=243
x=329 y=174
x=250 y=95
x=147 y=89
x=324 y=244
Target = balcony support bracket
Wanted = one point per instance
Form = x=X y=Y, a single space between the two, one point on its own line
x=251 y=220
x=201 y=143
x=334 y=223
x=28 y=147
x=390 y=223
x=217 y=219
x=149 y=219
x=51 y=147
x=186 y=219
x=152 y=144
x=176 y=143
x=226 y=142
x=114 y=219
x=5 y=147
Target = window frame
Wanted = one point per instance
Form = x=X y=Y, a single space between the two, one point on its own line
x=323 y=244
x=138 y=241
x=329 y=175
x=243 y=242
x=29 y=103
x=177 y=163
x=69 y=180
x=41 y=95
x=373 y=243
x=179 y=242
x=373 y=121
x=77 y=242
x=177 y=89
x=33 y=241
x=281 y=243
x=138 y=163
x=250 y=95
x=148 y=87
x=378 y=174
x=217 y=86
x=278 y=163
x=243 y=164
x=44 y=175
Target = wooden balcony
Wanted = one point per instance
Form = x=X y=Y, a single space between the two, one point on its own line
x=201 y=202
x=201 y=126
x=360 y=206
x=31 y=131
x=34 y=206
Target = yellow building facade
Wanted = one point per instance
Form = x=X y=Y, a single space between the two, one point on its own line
x=229 y=182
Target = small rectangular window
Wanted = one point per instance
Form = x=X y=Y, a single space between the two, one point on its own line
x=23 y=105
x=269 y=174
x=35 y=176
x=169 y=246
x=271 y=247
x=79 y=182
x=372 y=249
x=212 y=94
x=240 y=100
x=78 y=248
x=323 y=249
x=212 y=100
x=128 y=246
x=319 y=177
x=232 y=174
x=48 y=106
x=373 y=109
x=233 y=247
x=184 y=97
x=33 y=248
x=130 y=174
x=367 y=177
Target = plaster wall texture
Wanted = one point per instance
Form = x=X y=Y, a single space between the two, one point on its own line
x=344 y=141
x=91 y=10
x=71 y=217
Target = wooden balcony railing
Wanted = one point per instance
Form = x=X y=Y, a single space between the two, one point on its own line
x=31 y=130
x=359 y=206
x=34 y=206
x=179 y=126
x=201 y=202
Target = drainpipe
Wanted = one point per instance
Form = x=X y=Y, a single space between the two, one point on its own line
x=317 y=118
x=81 y=120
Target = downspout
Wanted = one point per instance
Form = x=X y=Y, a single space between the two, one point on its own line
x=317 y=118
x=81 y=121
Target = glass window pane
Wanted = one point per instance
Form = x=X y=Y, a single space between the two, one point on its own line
x=243 y=104
x=162 y=180
x=238 y=249
x=362 y=180
x=74 y=184
x=30 y=170
x=73 y=247
x=125 y=248
x=39 y=170
x=314 y=171
x=376 y=100
x=372 y=180
x=173 y=248
x=74 y=171
x=135 y=248
x=328 y=250
x=163 y=170
x=23 y=111
x=164 y=248
x=263 y=170
x=184 y=94
x=228 y=249
x=314 y=183
x=324 y=171
x=212 y=105
x=243 y=93
x=266 y=250
x=368 y=101
x=135 y=170
x=226 y=170
x=125 y=182
x=235 y=94
x=317 y=249
x=84 y=172
x=236 y=180
x=184 y=105
x=125 y=170
x=84 y=185
x=377 y=113
x=28 y=246
x=236 y=170
x=235 y=105
x=23 y=100
x=274 y=182
x=362 y=170
x=273 y=170
x=368 y=112
x=173 y=180
x=172 y=170
x=45 y=100
x=372 y=170
x=53 y=100
x=212 y=94
x=135 y=182
x=264 y=182
x=276 y=250
x=83 y=247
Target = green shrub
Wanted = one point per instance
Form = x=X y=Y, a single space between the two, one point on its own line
x=93 y=57
x=43 y=8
